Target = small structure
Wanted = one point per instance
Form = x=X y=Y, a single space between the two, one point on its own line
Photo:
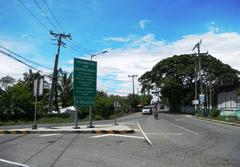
x=229 y=104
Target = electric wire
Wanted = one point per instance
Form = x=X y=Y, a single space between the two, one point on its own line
x=41 y=9
x=29 y=11
x=58 y=23
x=26 y=58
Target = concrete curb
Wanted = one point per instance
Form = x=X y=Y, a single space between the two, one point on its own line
x=222 y=122
x=66 y=131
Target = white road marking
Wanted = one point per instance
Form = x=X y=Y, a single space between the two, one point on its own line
x=184 y=129
x=128 y=123
x=145 y=136
x=117 y=135
x=178 y=134
x=14 y=163
x=136 y=130
x=98 y=136
x=46 y=135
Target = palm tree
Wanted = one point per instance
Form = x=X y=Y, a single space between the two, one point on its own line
x=28 y=78
x=65 y=88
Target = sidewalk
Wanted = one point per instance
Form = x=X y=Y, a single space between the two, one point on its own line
x=98 y=129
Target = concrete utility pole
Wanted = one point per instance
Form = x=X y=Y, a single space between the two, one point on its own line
x=133 y=76
x=198 y=71
x=55 y=70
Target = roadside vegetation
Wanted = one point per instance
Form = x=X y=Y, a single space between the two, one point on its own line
x=17 y=101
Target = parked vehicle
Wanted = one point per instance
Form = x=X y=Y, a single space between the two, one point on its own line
x=147 y=110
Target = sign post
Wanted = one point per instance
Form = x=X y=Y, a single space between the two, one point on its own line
x=37 y=91
x=84 y=85
x=116 y=106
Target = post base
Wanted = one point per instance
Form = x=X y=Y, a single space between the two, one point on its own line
x=90 y=126
x=34 y=127
x=76 y=127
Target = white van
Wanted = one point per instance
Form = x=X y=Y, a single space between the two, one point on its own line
x=146 y=110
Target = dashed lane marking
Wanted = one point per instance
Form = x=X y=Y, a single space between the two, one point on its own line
x=13 y=163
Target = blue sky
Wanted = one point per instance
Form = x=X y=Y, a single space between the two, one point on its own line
x=132 y=30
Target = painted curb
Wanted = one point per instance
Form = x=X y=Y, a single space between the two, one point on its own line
x=66 y=131
x=222 y=122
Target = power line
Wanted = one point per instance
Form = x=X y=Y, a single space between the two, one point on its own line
x=20 y=61
x=25 y=58
x=29 y=11
x=53 y=15
x=45 y=15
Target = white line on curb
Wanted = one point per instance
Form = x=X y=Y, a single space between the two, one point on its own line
x=145 y=136
x=14 y=163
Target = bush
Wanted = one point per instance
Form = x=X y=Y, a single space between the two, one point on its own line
x=98 y=117
x=215 y=112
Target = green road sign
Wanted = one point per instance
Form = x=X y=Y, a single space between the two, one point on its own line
x=84 y=82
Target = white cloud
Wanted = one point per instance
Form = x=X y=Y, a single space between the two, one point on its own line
x=142 y=23
x=142 y=53
x=117 y=39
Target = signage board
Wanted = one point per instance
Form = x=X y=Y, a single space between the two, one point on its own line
x=195 y=102
x=84 y=82
x=202 y=98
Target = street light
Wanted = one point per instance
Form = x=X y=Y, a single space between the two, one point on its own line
x=93 y=55
x=90 y=107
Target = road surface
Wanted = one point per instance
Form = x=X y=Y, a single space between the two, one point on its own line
x=173 y=140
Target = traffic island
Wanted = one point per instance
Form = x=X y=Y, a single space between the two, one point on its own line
x=99 y=129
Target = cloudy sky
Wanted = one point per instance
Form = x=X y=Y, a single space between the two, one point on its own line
x=136 y=33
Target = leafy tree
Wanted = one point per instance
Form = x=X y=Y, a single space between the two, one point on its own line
x=17 y=102
x=6 y=81
x=175 y=76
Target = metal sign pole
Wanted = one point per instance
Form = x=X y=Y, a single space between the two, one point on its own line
x=76 y=117
x=90 y=117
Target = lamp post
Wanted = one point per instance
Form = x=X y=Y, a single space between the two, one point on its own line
x=90 y=107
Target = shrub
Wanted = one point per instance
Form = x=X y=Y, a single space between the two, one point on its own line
x=215 y=112
x=98 y=117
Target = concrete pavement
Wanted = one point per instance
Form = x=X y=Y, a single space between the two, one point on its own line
x=176 y=141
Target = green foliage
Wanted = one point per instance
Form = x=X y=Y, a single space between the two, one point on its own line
x=215 y=112
x=6 y=81
x=17 y=102
x=175 y=76
x=98 y=117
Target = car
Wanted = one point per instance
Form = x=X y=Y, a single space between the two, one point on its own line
x=146 y=110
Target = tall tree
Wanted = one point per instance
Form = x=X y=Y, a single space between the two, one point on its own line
x=175 y=77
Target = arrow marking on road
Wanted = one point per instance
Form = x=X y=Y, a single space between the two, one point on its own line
x=14 y=163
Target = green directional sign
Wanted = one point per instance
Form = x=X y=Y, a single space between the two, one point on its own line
x=84 y=82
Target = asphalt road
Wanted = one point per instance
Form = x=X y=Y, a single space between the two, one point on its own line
x=177 y=140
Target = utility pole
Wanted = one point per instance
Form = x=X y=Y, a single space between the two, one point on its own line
x=133 y=76
x=198 y=70
x=60 y=43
